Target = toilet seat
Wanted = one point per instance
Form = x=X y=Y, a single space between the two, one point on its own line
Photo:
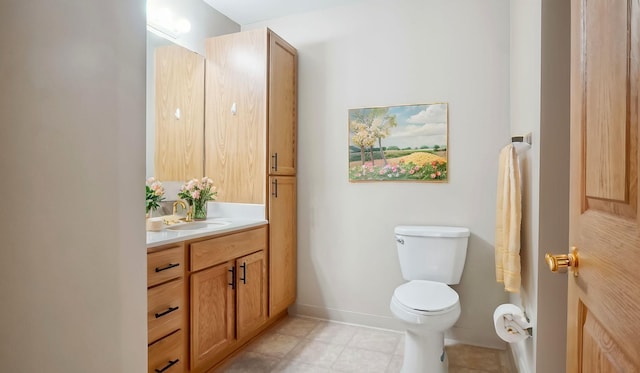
x=426 y=297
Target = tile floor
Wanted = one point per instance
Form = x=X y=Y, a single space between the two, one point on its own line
x=301 y=345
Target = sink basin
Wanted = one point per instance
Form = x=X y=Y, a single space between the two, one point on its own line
x=187 y=226
x=197 y=225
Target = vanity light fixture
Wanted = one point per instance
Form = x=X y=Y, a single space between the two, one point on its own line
x=162 y=22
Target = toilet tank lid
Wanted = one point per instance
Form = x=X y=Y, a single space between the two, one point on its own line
x=432 y=231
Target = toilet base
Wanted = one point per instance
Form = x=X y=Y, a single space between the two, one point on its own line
x=424 y=352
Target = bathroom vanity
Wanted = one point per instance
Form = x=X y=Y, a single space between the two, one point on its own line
x=213 y=288
x=207 y=293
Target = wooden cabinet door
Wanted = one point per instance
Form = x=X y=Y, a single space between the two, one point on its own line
x=282 y=243
x=236 y=114
x=212 y=312
x=251 y=293
x=179 y=113
x=283 y=114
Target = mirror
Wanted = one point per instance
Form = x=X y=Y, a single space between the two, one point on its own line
x=175 y=111
x=179 y=148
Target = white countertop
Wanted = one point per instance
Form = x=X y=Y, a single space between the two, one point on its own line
x=167 y=236
x=222 y=218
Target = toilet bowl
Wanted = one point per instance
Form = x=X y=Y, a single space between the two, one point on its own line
x=431 y=258
x=427 y=309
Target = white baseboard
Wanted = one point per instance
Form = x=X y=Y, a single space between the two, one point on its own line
x=348 y=317
x=453 y=336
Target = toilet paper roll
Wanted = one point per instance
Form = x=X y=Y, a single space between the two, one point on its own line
x=510 y=323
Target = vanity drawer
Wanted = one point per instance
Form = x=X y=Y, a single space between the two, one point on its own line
x=167 y=354
x=166 y=309
x=208 y=253
x=165 y=265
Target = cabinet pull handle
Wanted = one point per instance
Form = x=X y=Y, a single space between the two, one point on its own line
x=274 y=185
x=171 y=363
x=168 y=311
x=244 y=273
x=274 y=165
x=233 y=277
x=171 y=265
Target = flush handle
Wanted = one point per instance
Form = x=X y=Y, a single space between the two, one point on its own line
x=399 y=240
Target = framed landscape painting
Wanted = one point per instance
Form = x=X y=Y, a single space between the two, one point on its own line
x=399 y=143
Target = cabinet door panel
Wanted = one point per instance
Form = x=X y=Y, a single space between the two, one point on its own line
x=212 y=312
x=235 y=115
x=282 y=106
x=282 y=243
x=251 y=293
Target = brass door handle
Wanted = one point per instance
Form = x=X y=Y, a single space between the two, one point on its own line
x=560 y=262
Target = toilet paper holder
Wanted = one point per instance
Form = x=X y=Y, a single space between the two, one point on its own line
x=517 y=325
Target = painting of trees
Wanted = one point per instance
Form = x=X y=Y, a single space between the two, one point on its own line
x=415 y=145
x=370 y=125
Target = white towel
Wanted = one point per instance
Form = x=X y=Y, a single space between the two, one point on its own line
x=508 y=219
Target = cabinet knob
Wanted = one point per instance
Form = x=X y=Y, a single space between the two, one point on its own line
x=274 y=164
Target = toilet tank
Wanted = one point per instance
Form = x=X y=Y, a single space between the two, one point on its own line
x=434 y=253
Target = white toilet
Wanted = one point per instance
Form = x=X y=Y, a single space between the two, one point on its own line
x=431 y=258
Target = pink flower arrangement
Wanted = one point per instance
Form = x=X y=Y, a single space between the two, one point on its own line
x=198 y=190
x=197 y=193
x=155 y=193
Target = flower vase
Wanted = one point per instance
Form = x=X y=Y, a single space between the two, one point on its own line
x=199 y=210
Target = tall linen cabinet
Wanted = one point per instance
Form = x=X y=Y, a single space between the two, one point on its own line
x=250 y=140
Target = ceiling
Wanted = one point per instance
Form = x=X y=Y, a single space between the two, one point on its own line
x=246 y=12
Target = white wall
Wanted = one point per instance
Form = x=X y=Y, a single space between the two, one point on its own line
x=540 y=46
x=72 y=262
x=206 y=22
x=554 y=183
x=387 y=53
x=525 y=33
